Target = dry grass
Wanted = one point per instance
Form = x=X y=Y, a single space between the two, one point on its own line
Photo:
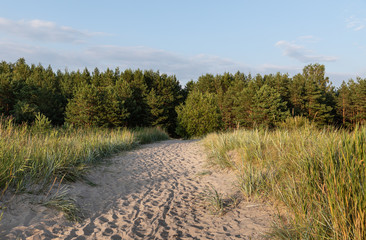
x=36 y=154
x=320 y=175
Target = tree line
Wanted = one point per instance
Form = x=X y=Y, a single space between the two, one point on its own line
x=229 y=101
x=136 y=98
x=104 y=99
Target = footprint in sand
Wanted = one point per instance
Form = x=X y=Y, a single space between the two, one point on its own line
x=149 y=193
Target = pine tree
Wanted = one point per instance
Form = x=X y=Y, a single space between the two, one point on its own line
x=280 y=82
x=93 y=106
x=268 y=107
x=206 y=83
x=317 y=93
x=66 y=84
x=361 y=100
x=108 y=78
x=189 y=87
x=25 y=112
x=231 y=103
x=199 y=115
x=353 y=86
x=7 y=97
x=243 y=105
x=25 y=107
x=297 y=93
x=137 y=107
x=96 y=78
x=82 y=109
x=46 y=93
x=344 y=103
x=124 y=97
x=80 y=79
x=108 y=111
x=163 y=98
x=21 y=71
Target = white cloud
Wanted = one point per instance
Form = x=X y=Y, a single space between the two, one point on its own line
x=103 y=56
x=184 y=67
x=355 y=23
x=272 y=68
x=302 y=54
x=36 y=54
x=43 y=31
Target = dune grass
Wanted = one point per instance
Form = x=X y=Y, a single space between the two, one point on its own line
x=319 y=175
x=36 y=155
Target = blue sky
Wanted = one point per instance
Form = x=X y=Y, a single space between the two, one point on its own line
x=188 y=38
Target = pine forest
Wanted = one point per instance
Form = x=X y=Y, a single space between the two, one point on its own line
x=143 y=98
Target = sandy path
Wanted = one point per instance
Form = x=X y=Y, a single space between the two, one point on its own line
x=154 y=192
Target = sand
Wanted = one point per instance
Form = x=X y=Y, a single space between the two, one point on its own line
x=154 y=192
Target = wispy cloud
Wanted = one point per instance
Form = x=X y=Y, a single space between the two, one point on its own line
x=185 y=67
x=43 y=31
x=103 y=56
x=355 y=23
x=10 y=51
x=302 y=54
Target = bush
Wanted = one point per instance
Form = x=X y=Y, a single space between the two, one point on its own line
x=295 y=123
x=41 y=123
x=200 y=115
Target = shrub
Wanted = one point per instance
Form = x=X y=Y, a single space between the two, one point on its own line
x=200 y=115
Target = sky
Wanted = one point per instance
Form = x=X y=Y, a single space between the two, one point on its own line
x=188 y=38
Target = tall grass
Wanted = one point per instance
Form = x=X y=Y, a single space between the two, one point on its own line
x=320 y=175
x=34 y=155
x=149 y=135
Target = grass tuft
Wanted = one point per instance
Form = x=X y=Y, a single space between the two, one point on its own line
x=62 y=202
x=215 y=200
x=217 y=203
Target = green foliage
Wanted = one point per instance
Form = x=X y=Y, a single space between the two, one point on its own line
x=41 y=123
x=345 y=105
x=136 y=103
x=361 y=100
x=243 y=106
x=199 y=115
x=92 y=106
x=267 y=100
x=112 y=98
x=188 y=88
x=163 y=98
x=108 y=99
x=268 y=108
x=7 y=97
x=317 y=94
x=25 y=112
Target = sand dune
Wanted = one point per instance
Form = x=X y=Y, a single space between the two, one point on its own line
x=154 y=192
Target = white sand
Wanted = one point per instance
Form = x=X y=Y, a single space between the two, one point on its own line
x=154 y=192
